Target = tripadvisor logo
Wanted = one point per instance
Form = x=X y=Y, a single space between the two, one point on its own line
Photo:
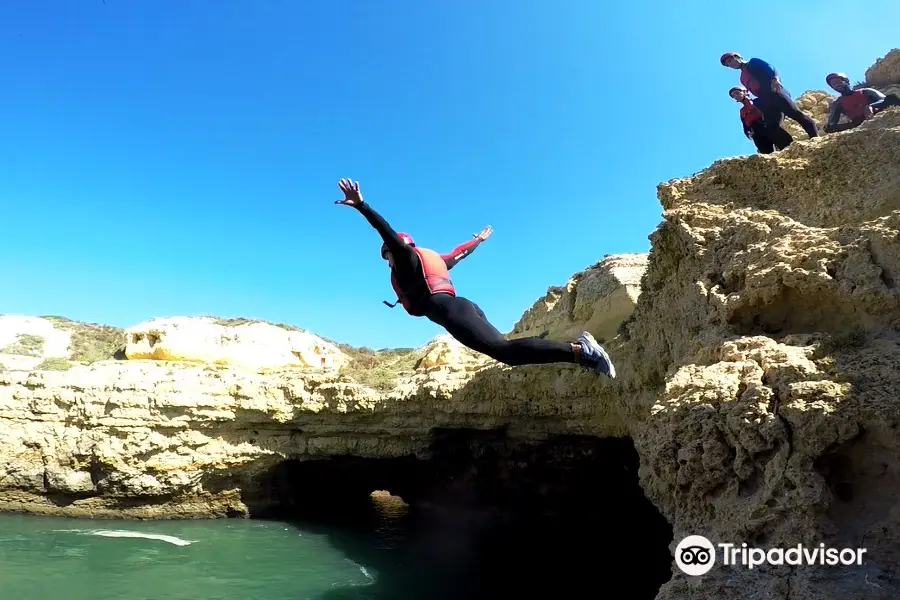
x=695 y=555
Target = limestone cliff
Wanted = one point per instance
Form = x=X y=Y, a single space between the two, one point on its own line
x=886 y=71
x=758 y=377
x=760 y=367
x=597 y=299
x=251 y=344
x=27 y=343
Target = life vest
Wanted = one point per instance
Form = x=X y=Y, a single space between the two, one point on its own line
x=749 y=82
x=435 y=273
x=854 y=105
x=750 y=114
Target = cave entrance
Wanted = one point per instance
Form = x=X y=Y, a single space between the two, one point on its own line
x=486 y=514
x=343 y=490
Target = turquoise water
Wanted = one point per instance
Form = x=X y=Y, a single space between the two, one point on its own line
x=44 y=558
x=379 y=556
x=383 y=557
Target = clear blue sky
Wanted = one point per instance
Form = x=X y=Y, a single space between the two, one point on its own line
x=178 y=157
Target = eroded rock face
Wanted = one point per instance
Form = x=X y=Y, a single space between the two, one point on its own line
x=445 y=352
x=254 y=345
x=161 y=440
x=886 y=70
x=816 y=104
x=761 y=363
x=597 y=299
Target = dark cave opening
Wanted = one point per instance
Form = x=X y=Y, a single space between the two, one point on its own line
x=484 y=514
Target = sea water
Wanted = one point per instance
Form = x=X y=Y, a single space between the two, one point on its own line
x=445 y=557
x=49 y=558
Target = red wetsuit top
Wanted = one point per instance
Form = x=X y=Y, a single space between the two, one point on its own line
x=749 y=113
x=435 y=273
x=854 y=105
x=418 y=273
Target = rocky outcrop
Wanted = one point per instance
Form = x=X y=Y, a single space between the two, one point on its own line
x=445 y=352
x=252 y=344
x=757 y=369
x=28 y=343
x=816 y=104
x=597 y=299
x=163 y=439
x=886 y=71
x=761 y=363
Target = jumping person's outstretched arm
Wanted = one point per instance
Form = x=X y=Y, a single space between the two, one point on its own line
x=353 y=197
x=465 y=249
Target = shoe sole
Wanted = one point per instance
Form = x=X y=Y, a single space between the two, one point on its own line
x=612 y=367
x=596 y=346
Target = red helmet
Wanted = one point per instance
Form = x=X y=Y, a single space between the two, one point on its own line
x=407 y=239
x=724 y=58
x=831 y=76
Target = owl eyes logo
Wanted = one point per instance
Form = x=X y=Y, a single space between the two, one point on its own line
x=695 y=555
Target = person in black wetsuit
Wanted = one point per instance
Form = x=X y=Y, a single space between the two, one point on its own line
x=452 y=258
x=764 y=82
x=752 y=121
x=858 y=105
x=420 y=277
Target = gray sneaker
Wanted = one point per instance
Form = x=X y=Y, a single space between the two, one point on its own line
x=594 y=356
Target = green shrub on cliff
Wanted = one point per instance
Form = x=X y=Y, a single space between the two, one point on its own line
x=54 y=363
x=377 y=369
x=90 y=341
x=238 y=321
x=25 y=345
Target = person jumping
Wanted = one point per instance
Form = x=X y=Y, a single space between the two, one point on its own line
x=421 y=279
x=753 y=122
x=858 y=105
x=763 y=80
x=452 y=258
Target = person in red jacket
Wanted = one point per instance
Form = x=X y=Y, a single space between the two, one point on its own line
x=421 y=279
x=452 y=258
x=764 y=82
x=859 y=104
x=753 y=122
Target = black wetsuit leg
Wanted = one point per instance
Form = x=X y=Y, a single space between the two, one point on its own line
x=779 y=136
x=761 y=138
x=465 y=321
x=777 y=105
x=887 y=101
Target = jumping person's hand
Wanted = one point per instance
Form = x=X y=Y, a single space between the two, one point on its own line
x=868 y=113
x=352 y=195
x=776 y=86
x=483 y=235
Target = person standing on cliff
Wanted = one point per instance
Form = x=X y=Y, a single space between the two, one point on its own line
x=763 y=80
x=753 y=122
x=859 y=104
x=421 y=279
